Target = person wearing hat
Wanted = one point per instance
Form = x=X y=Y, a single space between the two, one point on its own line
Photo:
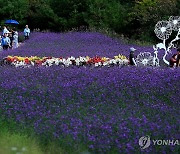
x=5 y=30
x=131 y=57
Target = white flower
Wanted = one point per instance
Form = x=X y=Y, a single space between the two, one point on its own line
x=77 y=61
x=112 y=61
x=14 y=148
x=24 y=149
x=175 y=22
x=125 y=61
x=144 y=59
x=67 y=62
x=57 y=61
x=32 y=63
x=72 y=58
x=45 y=63
x=50 y=64
x=82 y=59
x=106 y=63
x=96 y=64
x=120 y=62
x=163 y=30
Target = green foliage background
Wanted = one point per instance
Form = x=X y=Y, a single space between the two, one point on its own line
x=132 y=18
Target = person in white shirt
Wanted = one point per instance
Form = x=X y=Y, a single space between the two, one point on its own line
x=15 y=40
x=26 y=32
x=1 y=48
x=5 y=30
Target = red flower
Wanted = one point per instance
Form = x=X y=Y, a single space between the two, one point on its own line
x=43 y=60
x=38 y=62
x=95 y=60
x=27 y=61
x=49 y=58
x=9 y=59
x=14 y=59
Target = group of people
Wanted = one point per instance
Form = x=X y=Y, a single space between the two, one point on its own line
x=9 y=38
x=173 y=62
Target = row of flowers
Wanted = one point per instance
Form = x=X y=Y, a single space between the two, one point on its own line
x=18 y=61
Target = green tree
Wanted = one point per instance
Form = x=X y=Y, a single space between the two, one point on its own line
x=14 y=9
x=71 y=12
x=146 y=13
x=106 y=14
x=40 y=15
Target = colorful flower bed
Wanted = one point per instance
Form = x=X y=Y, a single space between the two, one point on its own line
x=19 y=61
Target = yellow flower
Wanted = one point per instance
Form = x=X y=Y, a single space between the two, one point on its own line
x=105 y=58
x=21 y=58
x=9 y=56
x=116 y=57
x=87 y=57
x=120 y=57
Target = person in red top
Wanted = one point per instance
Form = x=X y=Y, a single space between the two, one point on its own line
x=172 y=62
x=178 y=58
x=175 y=59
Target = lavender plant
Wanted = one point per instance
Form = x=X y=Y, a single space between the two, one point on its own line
x=107 y=109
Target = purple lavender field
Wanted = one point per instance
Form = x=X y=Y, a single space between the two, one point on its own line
x=106 y=109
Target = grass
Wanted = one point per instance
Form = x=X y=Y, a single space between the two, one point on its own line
x=17 y=140
x=12 y=142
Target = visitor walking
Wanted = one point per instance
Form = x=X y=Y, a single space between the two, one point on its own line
x=26 y=32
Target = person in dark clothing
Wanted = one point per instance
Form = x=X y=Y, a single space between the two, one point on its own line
x=178 y=58
x=173 y=60
x=11 y=36
x=131 y=57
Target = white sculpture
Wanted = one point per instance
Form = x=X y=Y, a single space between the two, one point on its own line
x=145 y=59
x=163 y=30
